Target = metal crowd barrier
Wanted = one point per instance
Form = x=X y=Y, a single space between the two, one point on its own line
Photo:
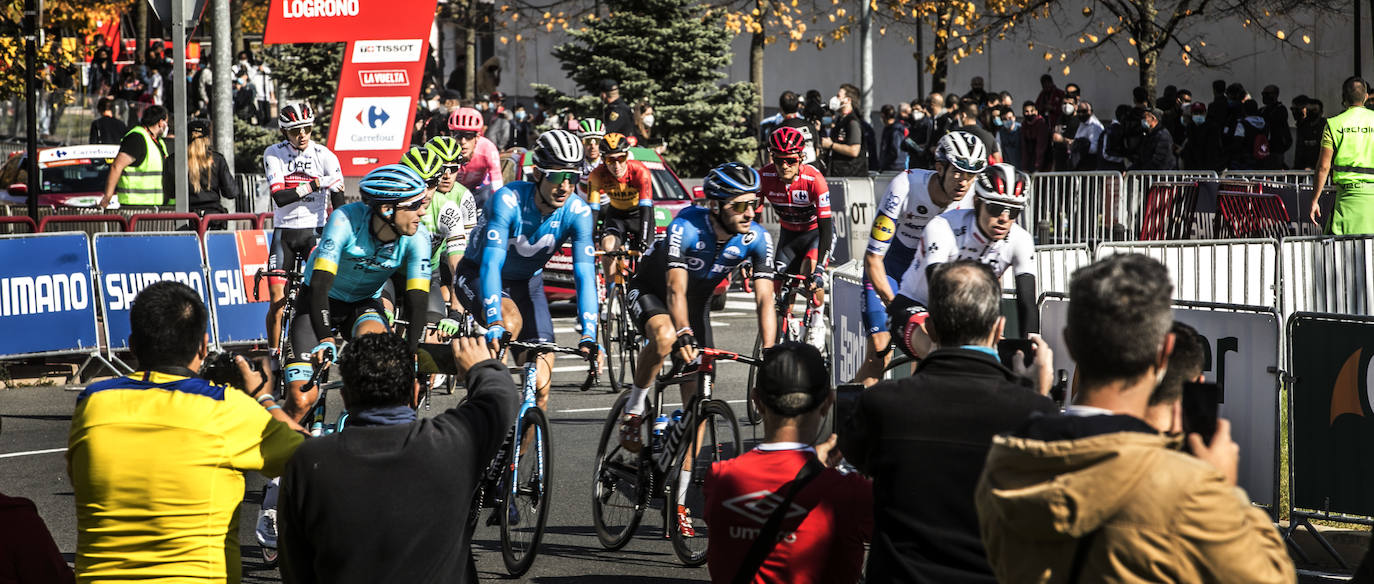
x=1297 y=178
x=1237 y=271
x=9 y=225
x=1328 y=274
x=1055 y=265
x=1074 y=207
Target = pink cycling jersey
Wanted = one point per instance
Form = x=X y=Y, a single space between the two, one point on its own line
x=484 y=168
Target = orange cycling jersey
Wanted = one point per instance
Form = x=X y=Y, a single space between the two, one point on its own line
x=635 y=189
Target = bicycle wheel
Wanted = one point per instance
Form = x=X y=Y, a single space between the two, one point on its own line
x=719 y=437
x=622 y=346
x=527 y=507
x=618 y=484
x=751 y=412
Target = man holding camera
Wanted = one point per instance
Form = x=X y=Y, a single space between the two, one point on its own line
x=929 y=433
x=1097 y=494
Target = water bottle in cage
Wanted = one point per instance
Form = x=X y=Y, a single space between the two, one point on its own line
x=656 y=440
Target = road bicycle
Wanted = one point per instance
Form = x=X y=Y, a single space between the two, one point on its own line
x=294 y=281
x=626 y=482
x=809 y=327
x=618 y=333
x=518 y=482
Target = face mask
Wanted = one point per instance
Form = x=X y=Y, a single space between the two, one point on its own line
x=1185 y=105
x=1012 y=126
x=918 y=116
x=835 y=103
x=997 y=122
x=1145 y=124
x=481 y=107
x=648 y=121
x=826 y=121
x=520 y=115
x=1199 y=120
x=1068 y=109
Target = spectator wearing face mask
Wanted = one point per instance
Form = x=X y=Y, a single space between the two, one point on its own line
x=920 y=136
x=1192 y=150
x=1062 y=133
x=1009 y=135
x=522 y=128
x=1157 y=149
x=1086 y=140
x=644 y=120
x=1309 y=135
x=1276 y=121
x=1035 y=139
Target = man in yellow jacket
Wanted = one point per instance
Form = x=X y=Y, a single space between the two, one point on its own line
x=136 y=174
x=1097 y=494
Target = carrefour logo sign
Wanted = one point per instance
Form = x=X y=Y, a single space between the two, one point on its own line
x=372 y=123
x=314 y=8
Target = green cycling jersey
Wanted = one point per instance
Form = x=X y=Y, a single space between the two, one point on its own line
x=450 y=219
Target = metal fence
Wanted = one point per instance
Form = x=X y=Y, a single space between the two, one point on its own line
x=1298 y=178
x=1074 y=207
x=1236 y=271
x=1328 y=274
x=1055 y=265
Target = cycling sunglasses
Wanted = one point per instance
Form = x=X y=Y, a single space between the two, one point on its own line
x=467 y=135
x=786 y=160
x=293 y=132
x=559 y=177
x=741 y=206
x=996 y=209
x=451 y=168
x=618 y=159
x=414 y=204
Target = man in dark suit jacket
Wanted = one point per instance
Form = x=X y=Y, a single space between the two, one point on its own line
x=923 y=439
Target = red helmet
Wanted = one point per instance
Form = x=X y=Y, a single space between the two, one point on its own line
x=465 y=119
x=786 y=141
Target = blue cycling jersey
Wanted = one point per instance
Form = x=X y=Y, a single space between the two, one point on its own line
x=360 y=263
x=513 y=241
x=691 y=244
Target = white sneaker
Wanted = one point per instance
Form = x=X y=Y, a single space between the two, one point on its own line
x=267 y=528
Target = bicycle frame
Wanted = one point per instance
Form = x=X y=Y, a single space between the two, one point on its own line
x=790 y=286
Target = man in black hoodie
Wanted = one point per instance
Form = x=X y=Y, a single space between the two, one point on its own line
x=928 y=434
x=387 y=500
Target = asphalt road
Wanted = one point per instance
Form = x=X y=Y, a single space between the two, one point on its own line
x=36 y=420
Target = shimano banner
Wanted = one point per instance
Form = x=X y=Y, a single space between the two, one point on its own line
x=129 y=262
x=47 y=303
x=234 y=257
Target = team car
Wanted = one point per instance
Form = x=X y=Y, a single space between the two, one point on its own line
x=69 y=176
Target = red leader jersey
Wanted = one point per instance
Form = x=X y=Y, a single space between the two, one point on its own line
x=799 y=203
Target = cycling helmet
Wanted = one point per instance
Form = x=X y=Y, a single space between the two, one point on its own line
x=614 y=143
x=786 y=141
x=465 y=119
x=962 y=150
x=558 y=150
x=591 y=128
x=295 y=115
x=423 y=161
x=447 y=148
x=1002 y=183
x=392 y=183
x=730 y=180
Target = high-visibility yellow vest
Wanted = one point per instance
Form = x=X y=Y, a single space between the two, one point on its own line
x=142 y=184
x=1353 y=135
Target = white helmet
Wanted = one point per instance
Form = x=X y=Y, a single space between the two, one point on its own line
x=1002 y=183
x=295 y=115
x=962 y=150
x=558 y=150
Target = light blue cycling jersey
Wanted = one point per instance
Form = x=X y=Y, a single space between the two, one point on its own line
x=513 y=241
x=360 y=263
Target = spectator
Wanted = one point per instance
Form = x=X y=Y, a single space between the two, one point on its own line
x=1050 y=101
x=968 y=122
x=790 y=115
x=1347 y=152
x=975 y=91
x=1309 y=135
x=1086 y=140
x=1007 y=101
x=1114 y=153
x=245 y=101
x=644 y=120
x=131 y=87
x=829 y=519
x=1062 y=133
x=1035 y=139
x=615 y=113
x=499 y=126
x=28 y=553
x=437 y=122
x=103 y=75
x=136 y=172
x=1072 y=89
x=1157 y=149
x=428 y=468
x=948 y=119
x=845 y=142
x=202 y=89
x=210 y=178
x=1276 y=121
x=1193 y=149
x=1009 y=136
x=920 y=137
x=522 y=130
x=895 y=132
x=930 y=433
x=194 y=438
x=1247 y=141
x=1176 y=112
x=106 y=129
x=988 y=110
x=1096 y=494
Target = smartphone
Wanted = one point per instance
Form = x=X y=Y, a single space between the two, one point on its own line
x=1201 y=402
x=1007 y=348
x=846 y=398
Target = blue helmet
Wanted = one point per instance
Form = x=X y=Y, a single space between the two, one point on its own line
x=730 y=180
x=391 y=184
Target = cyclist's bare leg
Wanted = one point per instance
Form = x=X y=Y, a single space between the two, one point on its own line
x=274 y=312
x=871 y=370
x=610 y=242
x=661 y=335
x=817 y=294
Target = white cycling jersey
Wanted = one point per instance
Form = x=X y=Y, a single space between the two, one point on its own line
x=287 y=167
x=905 y=211
x=956 y=236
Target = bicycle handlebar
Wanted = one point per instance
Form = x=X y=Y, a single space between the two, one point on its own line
x=257 y=279
x=619 y=253
x=708 y=355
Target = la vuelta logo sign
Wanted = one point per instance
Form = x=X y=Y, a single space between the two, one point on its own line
x=314 y=8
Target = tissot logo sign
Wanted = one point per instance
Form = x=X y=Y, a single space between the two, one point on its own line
x=384 y=78
x=372 y=123
x=397 y=51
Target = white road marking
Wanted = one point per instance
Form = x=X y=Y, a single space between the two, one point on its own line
x=608 y=408
x=48 y=451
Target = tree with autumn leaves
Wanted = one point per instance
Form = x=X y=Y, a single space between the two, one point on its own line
x=66 y=24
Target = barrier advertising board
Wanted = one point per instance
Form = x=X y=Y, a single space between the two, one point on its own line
x=846 y=296
x=47 y=299
x=1241 y=354
x=129 y=262
x=1332 y=416
x=233 y=258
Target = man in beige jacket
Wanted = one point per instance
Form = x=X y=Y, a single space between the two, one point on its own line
x=1096 y=494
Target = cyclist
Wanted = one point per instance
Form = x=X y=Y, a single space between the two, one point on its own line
x=987 y=233
x=590 y=131
x=362 y=245
x=300 y=173
x=670 y=295
x=912 y=200
x=524 y=224
x=801 y=198
x=481 y=171
x=623 y=191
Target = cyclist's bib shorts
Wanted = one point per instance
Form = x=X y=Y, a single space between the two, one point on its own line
x=528 y=296
x=622 y=224
x=794 y=247
x=289 y=249
x=644 y=305
x=874 y=313
x=436 y=309
x=344 y=317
